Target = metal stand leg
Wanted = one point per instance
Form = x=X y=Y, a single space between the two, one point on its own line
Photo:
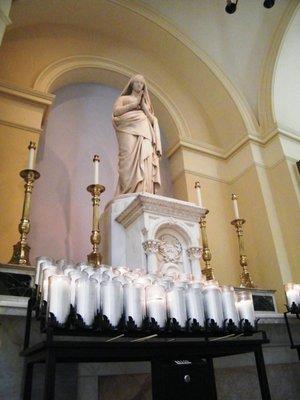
x=49 y=388
x=262 y=374
x=212 y=379
x=27 y=381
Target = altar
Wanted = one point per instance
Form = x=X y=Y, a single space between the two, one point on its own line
x=155 y=233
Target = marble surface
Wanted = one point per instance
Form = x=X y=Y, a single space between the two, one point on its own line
x=132 y=221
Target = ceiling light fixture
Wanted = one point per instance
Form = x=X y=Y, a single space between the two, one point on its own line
x=231 y=6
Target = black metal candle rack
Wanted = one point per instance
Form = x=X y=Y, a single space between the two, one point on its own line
x=294 y=309
x=101 y=326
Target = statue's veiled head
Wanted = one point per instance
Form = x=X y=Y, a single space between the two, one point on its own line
x=136 y=83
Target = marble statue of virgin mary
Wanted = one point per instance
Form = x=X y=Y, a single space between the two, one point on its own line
x=138 y=136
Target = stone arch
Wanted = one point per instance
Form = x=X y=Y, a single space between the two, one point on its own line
x=266 y=110
x=108 y=72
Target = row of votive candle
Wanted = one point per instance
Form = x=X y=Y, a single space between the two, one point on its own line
x=292 y=291
x=117 y=291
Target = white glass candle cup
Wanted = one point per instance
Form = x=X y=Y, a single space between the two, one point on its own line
x=144 y=280
x=176 y=304
x=62 y=262
x=134 y=274
x=39 y=261
x=103 y=268
x=85 y=299
x=112 y=300
x=229 y=304
x=195 y=304
x=43 y=266
x=297 y=288
x=68 y=268
x=292 y=293
x=90 y=270
x=185 y=277
x=156 y=304
x=166 y=282
x=110 y=274
x=46 y=273
x=98 y=277
x=134 y=303
x=213 y=302
x=59 y=297
x=245 y=307
x=123 y=270
x=74 y=275
x=82 y=266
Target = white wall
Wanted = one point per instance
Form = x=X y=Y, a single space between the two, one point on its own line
x=237 y=43
x=79 y=126
x=287 y=80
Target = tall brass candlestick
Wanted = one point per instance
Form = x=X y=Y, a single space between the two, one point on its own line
x=206 y=253
x=95 y=257
x=246 y=280
x=21 y=249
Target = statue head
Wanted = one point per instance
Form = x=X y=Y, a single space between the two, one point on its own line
x=136 y=84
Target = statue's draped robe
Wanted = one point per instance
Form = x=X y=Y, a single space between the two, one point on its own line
x=139 y=143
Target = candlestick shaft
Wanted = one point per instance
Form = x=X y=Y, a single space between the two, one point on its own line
x=95 y=257
x=21 y=249
x=206 y=254
x=246 y=280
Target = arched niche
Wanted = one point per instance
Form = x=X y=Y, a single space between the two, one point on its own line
x=78 y=126
x=95 y=69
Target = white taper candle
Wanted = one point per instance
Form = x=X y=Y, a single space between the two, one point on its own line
x=198 y=194
x=31 y=148
x=235 y=206
x=96 y=161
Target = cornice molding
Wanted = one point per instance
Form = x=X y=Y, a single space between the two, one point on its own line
x=32 y=95
x=219 y=153
x=20 y=126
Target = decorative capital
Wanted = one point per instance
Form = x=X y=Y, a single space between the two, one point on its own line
x=194 y=253
x=151 y=246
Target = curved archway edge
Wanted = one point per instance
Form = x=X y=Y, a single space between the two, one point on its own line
x=56 y=75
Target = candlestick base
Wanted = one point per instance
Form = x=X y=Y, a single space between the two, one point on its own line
x=20 y=254
x=94 y=258
x=246 y=280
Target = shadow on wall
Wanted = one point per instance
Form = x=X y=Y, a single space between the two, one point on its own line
x=78 y=126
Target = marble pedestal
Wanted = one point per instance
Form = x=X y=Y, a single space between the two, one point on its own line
x=154 y=233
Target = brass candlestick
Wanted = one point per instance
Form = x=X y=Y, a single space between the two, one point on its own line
x=21 y=249
x=95 y=258
x=206 y=253
x=246 y=280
